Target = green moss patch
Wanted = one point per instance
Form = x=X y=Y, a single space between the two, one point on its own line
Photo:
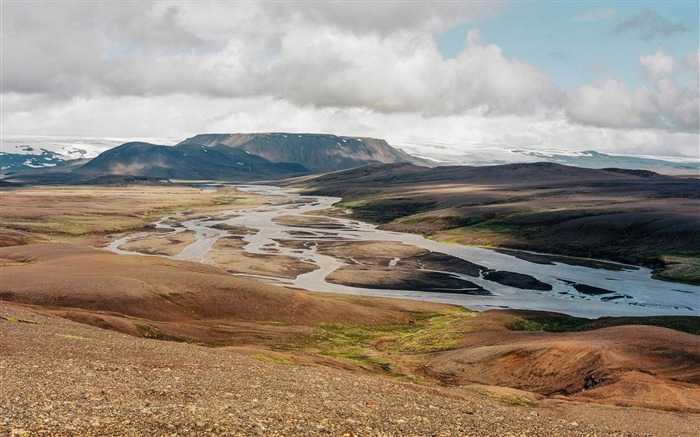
x=679 y=268
x=271 y=359
x=379 y=347
x=19 y=320
x=688 y=324
x=150 y=331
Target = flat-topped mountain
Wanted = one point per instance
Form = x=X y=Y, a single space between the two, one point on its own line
x=317 y=152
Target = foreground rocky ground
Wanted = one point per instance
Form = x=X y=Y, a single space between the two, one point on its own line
x=63 y=378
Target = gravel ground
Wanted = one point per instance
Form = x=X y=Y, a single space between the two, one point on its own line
x=62 y=378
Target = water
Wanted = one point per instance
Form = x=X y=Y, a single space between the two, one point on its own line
x=632 y=291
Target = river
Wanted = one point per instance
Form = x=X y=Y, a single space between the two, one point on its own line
x=575 y=289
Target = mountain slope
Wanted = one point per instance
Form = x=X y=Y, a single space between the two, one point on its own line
x=317 y=152
x=637 y=217
x=187 y=162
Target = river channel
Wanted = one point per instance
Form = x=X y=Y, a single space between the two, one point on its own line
x=515 y=280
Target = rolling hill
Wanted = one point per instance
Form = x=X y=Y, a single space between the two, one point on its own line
x=632 y=216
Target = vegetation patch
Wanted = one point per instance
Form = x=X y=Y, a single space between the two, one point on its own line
x=19 y=320
x=440 y=332
x=688 y=324
x=386 y=210
x=226 y=200
x=380 y=347
x=272 y=359
x=547 y=323
x=679 y=268
x=442 y=221
x=150 y=331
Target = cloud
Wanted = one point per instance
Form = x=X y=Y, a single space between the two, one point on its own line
x=595 y=15
x=133 y=117
x=388 y=16
x=657 y=65
x=648 y=25
x=163 y=68
x=308 y=53
x=663 y=102
x=610 y=103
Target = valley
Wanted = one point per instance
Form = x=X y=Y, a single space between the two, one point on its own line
x=261 y=274
x=296 y=245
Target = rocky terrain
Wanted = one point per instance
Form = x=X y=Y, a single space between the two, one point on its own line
x=64 y=378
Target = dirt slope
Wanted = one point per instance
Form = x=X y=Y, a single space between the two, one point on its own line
x=626 y=365
x=63 y=378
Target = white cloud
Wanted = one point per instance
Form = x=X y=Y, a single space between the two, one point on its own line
x=657 y=65
x=609 y=103
x=664 y=102
x=309 y=53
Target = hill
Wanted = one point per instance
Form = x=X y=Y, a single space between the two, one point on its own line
x=317 y=152
x=73 y=379
x=193 y=162
x=637 y=217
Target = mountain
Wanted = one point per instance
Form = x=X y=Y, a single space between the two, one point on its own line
x=193 y=162
x=319 y=153
x=397 y=177
x=27 y=152
x=17 y=161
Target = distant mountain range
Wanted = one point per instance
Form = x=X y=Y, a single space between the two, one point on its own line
x=322 y=153
x=230 y=157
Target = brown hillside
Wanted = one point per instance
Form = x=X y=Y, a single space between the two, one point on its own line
x=636 y=365
x=194 y=300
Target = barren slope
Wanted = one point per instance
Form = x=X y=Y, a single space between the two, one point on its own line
x=63 y=378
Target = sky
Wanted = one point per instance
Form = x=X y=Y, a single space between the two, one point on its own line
x=617 y=77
